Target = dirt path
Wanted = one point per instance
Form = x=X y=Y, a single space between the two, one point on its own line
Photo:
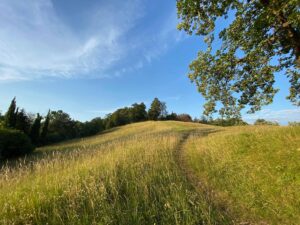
x=180 y=158
x=220 y=211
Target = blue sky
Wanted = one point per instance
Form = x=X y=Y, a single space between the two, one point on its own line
x=89 y=58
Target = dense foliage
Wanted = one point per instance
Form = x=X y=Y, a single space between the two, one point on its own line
x=35 y=130
x=11 y=115
x=14 y=143
x=23 y=121
x=237 y=69
x=265 y=122
x=293 y=124
x=135 y=113
x=1 y=121
x=184 y=117
x=158 y=110
x=223 y=122
x=45 y=127
x=58 y=125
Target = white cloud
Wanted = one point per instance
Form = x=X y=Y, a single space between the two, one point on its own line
x=281 y=116
x=166 y=36
x=35 y=42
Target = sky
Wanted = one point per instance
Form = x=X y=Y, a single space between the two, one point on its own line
x=89 y=58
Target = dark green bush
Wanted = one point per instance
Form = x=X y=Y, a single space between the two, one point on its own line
x=14 y=143
x=265 y=122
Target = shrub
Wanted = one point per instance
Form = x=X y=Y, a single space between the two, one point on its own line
x=294 y=124
x=14 y=143
x=265 y=122
x=226 y=122
x=184 y=117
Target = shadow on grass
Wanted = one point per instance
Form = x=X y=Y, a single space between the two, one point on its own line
x=56 y=149
x=59 y=150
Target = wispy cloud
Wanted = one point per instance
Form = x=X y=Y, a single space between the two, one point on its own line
x=35 y=42
x=281 y=116
x=164 y=36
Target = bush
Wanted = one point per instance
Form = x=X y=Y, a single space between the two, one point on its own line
x=225 y=122
x=265 y=122
x=14 y=143
x=294 y=124
x=184 y=117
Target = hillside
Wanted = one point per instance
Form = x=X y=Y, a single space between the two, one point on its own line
x=159 y=173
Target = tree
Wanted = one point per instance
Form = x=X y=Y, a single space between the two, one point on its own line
x=126 y=115
x=14 y=143
x=96 y=125
x=35 y=130
x=91 y=127
x=203 y=119
x=157 y=110
x=1 y=120
x=10 y=116
x=294 y=124
x=265 y=122
x=22 y=121
x=138 y=112
x=172 y=116
x=121 y=117
x=262 y=39
x=227 y=122
x=61 y=126
x=45 y=126
x=107 y=121
x=184 y=117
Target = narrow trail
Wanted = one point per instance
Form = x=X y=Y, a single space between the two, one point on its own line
x=224 y=214
x=206 y=194
x=179 y=153
x=180 y=158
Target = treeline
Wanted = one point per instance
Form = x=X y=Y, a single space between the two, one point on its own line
x=21 y=132
x=221 y=121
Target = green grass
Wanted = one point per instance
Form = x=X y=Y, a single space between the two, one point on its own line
x=140 y=174
x=128 y=176
x=254 y=171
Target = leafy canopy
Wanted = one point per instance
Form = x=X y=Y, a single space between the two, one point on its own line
x=262 y=39
x=158 y=110
x=35 y=130
x=10 y=116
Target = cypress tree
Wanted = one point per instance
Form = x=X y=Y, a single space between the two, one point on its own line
x=22 y=121
x=35 y=130
x=10 y=116
x=45 y=127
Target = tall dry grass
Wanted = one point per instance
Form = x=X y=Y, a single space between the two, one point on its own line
x=254 y=171
x=127 y=176
x=134 y=175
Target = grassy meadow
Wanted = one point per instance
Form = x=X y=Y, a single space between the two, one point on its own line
x=159 y=173
x=254 y=171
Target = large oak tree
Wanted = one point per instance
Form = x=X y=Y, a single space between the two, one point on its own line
x=238 y=71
